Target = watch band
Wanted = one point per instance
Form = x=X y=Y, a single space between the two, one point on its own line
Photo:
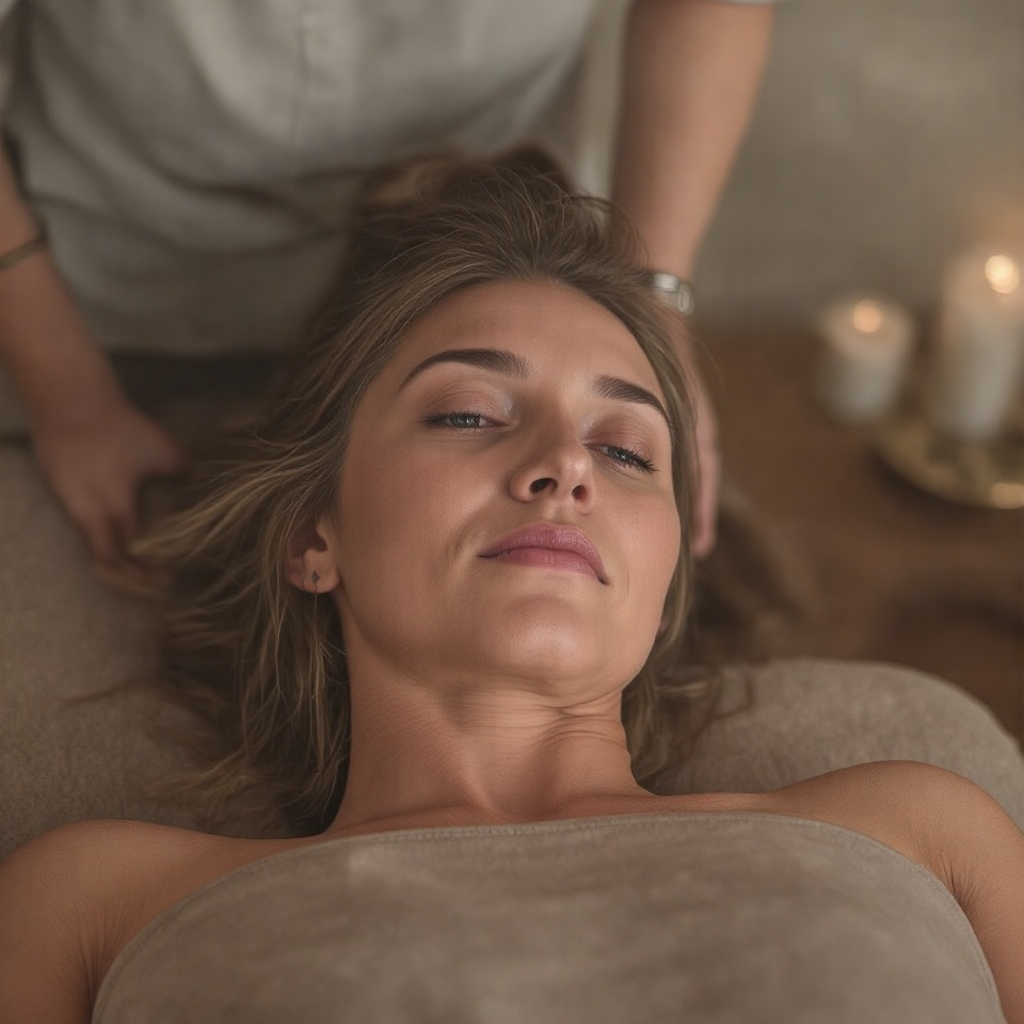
x=13 y=257
x=676 y=291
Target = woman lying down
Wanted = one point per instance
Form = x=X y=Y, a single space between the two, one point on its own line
x=431 y=608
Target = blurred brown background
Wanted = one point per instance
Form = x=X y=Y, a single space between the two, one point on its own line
x=888 y=139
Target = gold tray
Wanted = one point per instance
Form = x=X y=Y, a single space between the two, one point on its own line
x=984 y=474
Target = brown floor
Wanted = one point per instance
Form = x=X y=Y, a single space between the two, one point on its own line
x=896 y=574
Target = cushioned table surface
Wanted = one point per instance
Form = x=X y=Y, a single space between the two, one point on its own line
x=724 y=917
x=64 y=635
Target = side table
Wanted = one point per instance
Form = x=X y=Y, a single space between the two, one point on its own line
x=897 y=574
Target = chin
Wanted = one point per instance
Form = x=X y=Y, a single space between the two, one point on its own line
x=559 y=643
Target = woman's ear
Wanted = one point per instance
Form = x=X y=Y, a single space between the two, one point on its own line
x=310 y=564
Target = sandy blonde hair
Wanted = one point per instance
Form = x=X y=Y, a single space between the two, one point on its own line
x=263 y=662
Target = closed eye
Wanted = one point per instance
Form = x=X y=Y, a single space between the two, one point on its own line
x=457 y=420
x=627 y=457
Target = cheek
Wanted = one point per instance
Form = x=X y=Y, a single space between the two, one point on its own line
x=376 y=514
x=657 y=551
x=400 y=515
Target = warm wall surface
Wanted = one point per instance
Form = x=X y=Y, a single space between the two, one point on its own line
x=889 y=137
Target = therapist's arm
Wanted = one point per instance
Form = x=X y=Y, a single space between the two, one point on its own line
x=691 y=74
x=93 y=446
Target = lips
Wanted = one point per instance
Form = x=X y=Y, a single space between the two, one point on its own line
x=546 y=537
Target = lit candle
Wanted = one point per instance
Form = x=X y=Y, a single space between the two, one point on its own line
x=867 y=343
x=978 y=354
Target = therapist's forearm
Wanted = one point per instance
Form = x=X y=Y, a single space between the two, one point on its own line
x=691 y=74
x=44 y=342
x=16 y=222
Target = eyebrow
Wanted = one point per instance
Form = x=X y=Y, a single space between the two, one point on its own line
x=509 y=364
x=623 y=391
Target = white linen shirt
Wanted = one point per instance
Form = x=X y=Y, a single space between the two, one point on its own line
x=193 y=160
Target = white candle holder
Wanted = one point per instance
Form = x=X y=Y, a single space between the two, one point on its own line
x=866 y=346
x=977 y=357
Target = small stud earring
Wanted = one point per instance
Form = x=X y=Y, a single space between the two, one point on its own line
x=315 y=577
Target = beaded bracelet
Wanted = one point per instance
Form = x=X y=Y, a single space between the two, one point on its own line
x=22 y=252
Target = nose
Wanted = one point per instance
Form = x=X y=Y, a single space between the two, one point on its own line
x=555 y=465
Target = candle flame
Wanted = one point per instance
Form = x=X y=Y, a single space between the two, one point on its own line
x=1002 y=274
x=867 y=316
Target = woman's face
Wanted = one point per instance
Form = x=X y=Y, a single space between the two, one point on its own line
x=506 y=508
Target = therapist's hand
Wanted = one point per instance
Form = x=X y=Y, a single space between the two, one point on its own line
x=96 y=452
x=703 y=527
x=94 y=447
x=709 y=468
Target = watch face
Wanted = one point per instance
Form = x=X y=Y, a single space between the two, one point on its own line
x=676 y=291
x=682 y=297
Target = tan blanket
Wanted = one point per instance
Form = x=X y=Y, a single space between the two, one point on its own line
x=699 y=918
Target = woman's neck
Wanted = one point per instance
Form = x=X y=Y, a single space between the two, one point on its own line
x=503 y=756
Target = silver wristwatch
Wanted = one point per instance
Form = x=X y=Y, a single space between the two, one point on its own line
x=676 y=291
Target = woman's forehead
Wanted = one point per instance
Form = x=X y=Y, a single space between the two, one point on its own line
x=545 y=326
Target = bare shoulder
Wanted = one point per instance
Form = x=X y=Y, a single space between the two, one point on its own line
x=71 y=899
x=927 y=813
x=949 y=825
